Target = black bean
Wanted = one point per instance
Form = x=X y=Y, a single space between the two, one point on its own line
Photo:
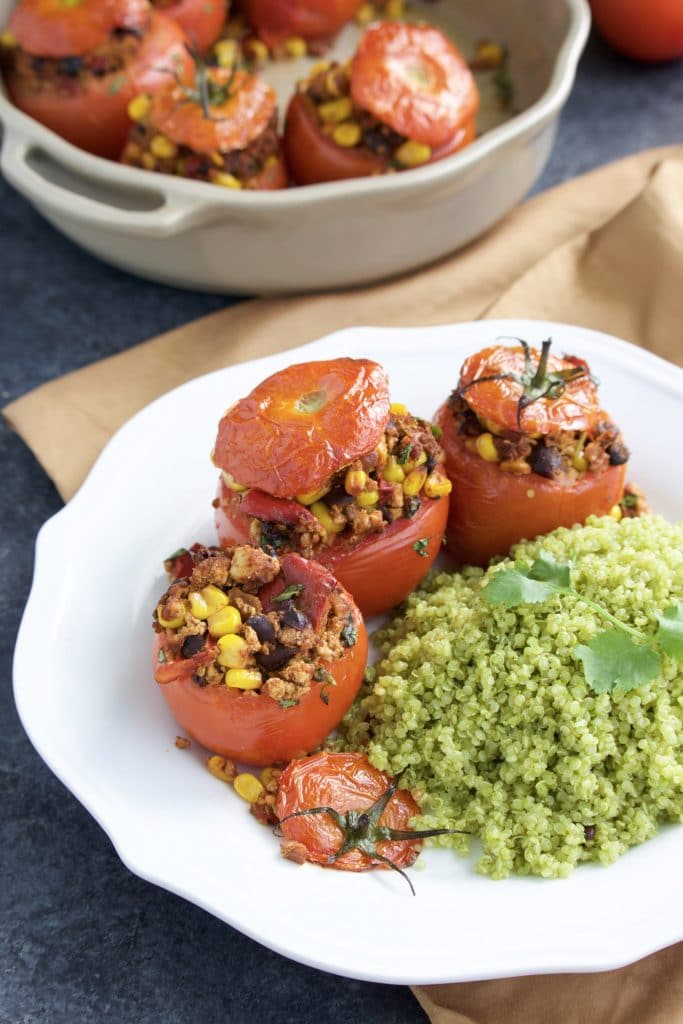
x=545 y=461
x=276 y=659
x=618 y=454
x=589 y=832
x=70 y=66
x=410 y=507
x=291 y=616
x=193 y=645
x=263 y=627
x=431 y=462
x=338 y=496
x=349 y=634
x=200 y=680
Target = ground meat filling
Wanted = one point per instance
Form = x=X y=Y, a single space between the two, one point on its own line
x=67 y=74
x=242 y=164
x=387 y=484
x=217 y=610
x=329 y=93
x=563 y=456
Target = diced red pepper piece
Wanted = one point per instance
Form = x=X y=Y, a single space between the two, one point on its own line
x=317 y=586
x=276 y=510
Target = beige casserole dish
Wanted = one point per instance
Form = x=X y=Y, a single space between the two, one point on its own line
x=196 y=235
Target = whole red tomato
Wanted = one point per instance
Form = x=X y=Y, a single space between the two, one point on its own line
x=649 y=30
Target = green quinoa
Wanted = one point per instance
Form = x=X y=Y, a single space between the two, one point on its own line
x=486 y=711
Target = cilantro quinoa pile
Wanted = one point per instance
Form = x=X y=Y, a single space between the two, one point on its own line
x=487 y=712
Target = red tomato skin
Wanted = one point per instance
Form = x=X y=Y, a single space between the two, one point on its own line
x=345 y=782
x=647 y=30
x=95 y=118
x=201 y=20
x=313 y=157
x=491 y=510
x=253 y=728
x=431 y=113
x=379 y=571
x=267 y=441
x=277 y=20
x=50 y=28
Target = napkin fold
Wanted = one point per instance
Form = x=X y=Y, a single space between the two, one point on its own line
x=604 y=250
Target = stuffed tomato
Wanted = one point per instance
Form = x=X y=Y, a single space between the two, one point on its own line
x=201 y=20
x=317 y=461
x=407 y=98
x=258 y=657
x=221 y=128
x=75 y=66
x=528 y=448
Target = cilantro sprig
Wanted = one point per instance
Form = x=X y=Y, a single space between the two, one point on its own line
x=622 y=658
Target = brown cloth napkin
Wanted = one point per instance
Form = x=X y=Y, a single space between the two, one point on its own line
x=604 y=251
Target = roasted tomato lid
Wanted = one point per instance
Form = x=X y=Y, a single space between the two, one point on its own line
x=57 y=28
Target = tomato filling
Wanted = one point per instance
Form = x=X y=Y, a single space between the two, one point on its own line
x=243 y=619
x=565 y=455
x=70 y=74
x=236 y=168
x=363 y=498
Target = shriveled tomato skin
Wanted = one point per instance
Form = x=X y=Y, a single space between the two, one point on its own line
x=277 y=20
x=201 y=20
x=313 y=157
x=411 y=77
x=491 y=510
x=94 y=116
x=578 y=408
x=379 y=571
x=253 y=727
x=302 y=424
x=345 y=782
x=52 y=28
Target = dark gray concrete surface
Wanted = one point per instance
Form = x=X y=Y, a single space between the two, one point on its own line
x=81 y=939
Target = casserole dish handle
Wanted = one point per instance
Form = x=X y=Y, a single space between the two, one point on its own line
x=172 y=214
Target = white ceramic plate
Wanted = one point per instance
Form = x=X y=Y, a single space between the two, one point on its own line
x=85 y=694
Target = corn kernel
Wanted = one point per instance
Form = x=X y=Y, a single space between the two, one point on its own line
x=310 y=497
x=207 y=601
x=393 y=473
x=489 y=55
x=486 y=448
x=226 y=180
x=319 y=68
x=347 y=134
x=616 y=512
x=226 y=52
x=437 y=485
x=412 y=154
x=174 y=623
x=230 y=482
x=268 y=775
x=410 y=464
x=335 y=111
x=225 y=620
x=322 y=514
x=148 y=161
x=8 y=40
x=368 y=498
x=255 y=49
x=138 y=108
x=394 y=9
x=413 y=483
x=243 y=678
x=216 y=159
x=233 y=652
x=162 y=148
x=579 y=462
x=398 y=409
x=221 y=767
x=355 y=481
x=295 y=46
x=248 y=787
x=365 y=14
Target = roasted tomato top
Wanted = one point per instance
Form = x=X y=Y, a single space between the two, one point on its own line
x=521 y=389
x=223 y=110
x=302 y=424
x=55 y=28
x=258 y=657
x=343 y=782
x=412 y=78
x=276 y=20
x=202 y=20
